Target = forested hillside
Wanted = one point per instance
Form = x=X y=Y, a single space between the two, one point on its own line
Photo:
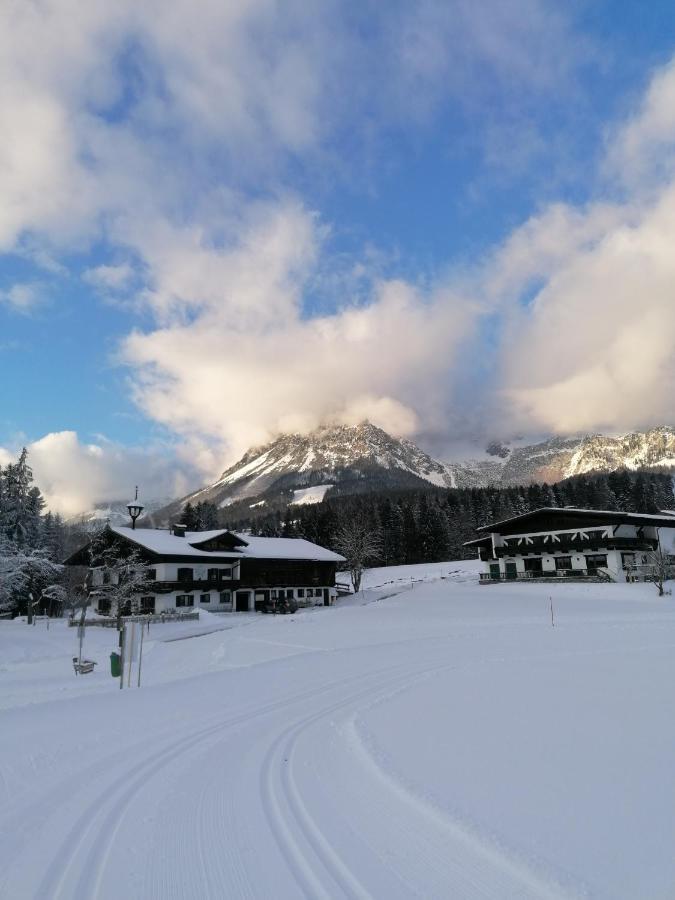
x=432 y=525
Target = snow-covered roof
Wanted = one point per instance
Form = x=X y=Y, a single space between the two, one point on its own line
x=164 y=543
x=286 y=548
x=609 y=515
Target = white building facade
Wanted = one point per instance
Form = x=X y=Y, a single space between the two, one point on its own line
x=560 y=544
x=217 y=570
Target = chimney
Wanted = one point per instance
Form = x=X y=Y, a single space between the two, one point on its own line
x=179 y=530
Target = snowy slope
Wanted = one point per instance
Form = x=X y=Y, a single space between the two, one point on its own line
x=441 y=740
x=303 y=496
x=342 y=455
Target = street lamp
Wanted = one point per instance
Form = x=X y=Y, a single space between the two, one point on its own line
x=135 y=508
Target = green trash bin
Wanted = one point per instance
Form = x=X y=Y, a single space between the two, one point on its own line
x=115 y=667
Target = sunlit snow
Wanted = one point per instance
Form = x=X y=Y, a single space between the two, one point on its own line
x=428 y=737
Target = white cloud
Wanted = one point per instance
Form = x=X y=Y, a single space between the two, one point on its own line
x=73 y=476
x=642 y=149
x=594 y=347
x=129 y=123
x=111 y=278
x=22 y=298
x=248 y=362
x=120 y=113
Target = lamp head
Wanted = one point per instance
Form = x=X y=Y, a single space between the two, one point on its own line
x=135 y=508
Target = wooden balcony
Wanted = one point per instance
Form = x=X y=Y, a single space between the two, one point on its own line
x=548 y=576
x=628 y=545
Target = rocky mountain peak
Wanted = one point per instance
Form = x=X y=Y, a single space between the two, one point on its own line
x=303 y=468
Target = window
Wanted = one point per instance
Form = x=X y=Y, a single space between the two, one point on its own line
x=597 y=561
x=184 y=574
x=225 y=597
x=151 y=574
x=301 y=592
x=563 y=562
x=147 y=604
x=104 y=606
x=106 y=578
x=185 y=600
x=225 y=574
x=205 y=598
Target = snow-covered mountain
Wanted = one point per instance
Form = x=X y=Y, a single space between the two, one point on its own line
x=337 y=457
x=560 y=458
x=297 y=468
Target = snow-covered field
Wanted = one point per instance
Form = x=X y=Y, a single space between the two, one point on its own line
x=429 y=738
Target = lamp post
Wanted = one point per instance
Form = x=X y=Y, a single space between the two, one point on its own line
x=135 y=508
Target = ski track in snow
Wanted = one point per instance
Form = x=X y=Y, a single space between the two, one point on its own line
x=284 y=797
x=445 y=857
x=441 y=857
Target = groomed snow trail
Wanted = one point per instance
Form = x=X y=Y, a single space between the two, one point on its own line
x=237 y=807
x=297 y=776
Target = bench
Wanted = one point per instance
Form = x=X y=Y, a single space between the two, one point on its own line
x=84 y=667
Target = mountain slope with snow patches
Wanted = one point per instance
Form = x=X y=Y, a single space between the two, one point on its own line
x=333 y=457
x=297 y=468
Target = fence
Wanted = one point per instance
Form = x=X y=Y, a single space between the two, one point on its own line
x=154 y=617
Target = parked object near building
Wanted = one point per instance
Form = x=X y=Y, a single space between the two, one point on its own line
x=564 y=543
x=215 y=570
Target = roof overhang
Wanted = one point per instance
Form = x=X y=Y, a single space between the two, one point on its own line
x=609 y=517
x=479 y=542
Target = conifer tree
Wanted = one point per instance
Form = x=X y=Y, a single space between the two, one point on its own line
x=189 y=517
x=22 y=503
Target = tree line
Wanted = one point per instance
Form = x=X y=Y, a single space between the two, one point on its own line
x=432 y=525
x=384 y=527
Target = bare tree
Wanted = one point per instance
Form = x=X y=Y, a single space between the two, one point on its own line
x=123 y=576
x=359 y=544
x=53 y=599
x=25 y=573
x=659 y=569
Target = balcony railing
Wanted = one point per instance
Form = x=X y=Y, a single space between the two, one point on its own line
x=630 y=545
x=186 y=587
x=547 y=575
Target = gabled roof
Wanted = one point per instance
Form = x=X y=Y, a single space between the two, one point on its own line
x=601 y=516
x=163 y=543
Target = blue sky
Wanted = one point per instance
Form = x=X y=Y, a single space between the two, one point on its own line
x=252 y=217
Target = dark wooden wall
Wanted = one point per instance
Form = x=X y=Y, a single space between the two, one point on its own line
x=286 y=573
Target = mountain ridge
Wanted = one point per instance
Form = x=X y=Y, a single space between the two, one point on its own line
x=333 y=456
x=297 y=468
